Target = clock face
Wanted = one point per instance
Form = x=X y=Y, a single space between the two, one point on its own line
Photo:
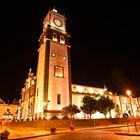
x=57 y=22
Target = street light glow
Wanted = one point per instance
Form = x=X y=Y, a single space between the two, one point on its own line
x=128 y=92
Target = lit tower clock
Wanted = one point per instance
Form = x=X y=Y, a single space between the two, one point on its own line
x=57 y=22
x=53 y=86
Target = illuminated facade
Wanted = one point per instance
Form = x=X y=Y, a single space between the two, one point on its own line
x=53 y=85
x=122 y=103
x=9 y=111
x=27 y=101
x=46 y=94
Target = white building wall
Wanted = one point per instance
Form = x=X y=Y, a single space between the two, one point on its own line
x=40 y=82
x=58 y=85
x=123 y=102
x=13 y=109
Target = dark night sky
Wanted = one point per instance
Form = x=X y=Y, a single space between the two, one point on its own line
x=105 y=41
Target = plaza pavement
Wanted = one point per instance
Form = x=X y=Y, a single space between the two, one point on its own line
x=30 y=132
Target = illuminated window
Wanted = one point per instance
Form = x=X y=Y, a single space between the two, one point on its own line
x=74 y=88
x=44 y=39
x=91 y=90
x=32 y=82
x=58 y=71
x=62 y=40
x=58 y=99
x=64 y=57
x=85 y=90
x=53 y=54
x=101 y=92
x=128 y=107
x=80 y=89
x=124 y=107
x=54 y=37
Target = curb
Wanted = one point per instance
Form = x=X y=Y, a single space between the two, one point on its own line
x=108 y=127
x=127 y=134
x=31 y=136
x=95 y=128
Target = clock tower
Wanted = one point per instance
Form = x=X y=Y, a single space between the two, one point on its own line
x=53 y=85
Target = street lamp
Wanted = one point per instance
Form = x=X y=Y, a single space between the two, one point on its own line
x=128 y=92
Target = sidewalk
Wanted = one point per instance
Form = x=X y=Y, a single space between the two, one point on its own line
x=128 y=134
x=26 y=132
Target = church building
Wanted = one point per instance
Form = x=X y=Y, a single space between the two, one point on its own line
x=45 y=94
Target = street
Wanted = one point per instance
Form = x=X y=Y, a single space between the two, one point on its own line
x=91 y=134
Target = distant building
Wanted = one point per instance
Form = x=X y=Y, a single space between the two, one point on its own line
x=1 y=101
x=27 y=102
x=9 y=111
x=45 y=94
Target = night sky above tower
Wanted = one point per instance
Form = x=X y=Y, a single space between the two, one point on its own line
x=104 y=43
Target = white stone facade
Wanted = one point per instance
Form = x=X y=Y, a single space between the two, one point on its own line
x=52 y=88
x=9 y=111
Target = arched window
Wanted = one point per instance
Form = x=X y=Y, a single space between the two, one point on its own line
x=54 y=37
x=62 y=39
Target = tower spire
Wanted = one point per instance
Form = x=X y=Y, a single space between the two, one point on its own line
x=30 y=70
x=105 y=87
x=54 y=9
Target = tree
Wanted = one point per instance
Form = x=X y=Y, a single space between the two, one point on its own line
x=71 y=109
x=89 y=105
x=105 y=104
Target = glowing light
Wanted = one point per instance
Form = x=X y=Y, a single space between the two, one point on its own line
x=101 y=92
x=44 y=39
x=53 y=54
x=80 y=89
x=97 y=115
x=113 y=114
x=105 y=88
x=79 y=115
x=74 y=88
x=44 y=103
x=58 y=71
x=64 y=57
x=54 y=10
x=128 y=92
x=62 y=40
x=91 y=90
x=32 y=82
x=55 y=39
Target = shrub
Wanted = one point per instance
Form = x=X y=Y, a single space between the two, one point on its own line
x=52 y=129
x=71 y=127
x=54 y=118
x=65 y=118
x=5 y=134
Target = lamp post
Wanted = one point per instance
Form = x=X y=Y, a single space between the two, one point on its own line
x=128 y=92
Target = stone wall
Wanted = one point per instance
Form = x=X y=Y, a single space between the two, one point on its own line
x=46 y=124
